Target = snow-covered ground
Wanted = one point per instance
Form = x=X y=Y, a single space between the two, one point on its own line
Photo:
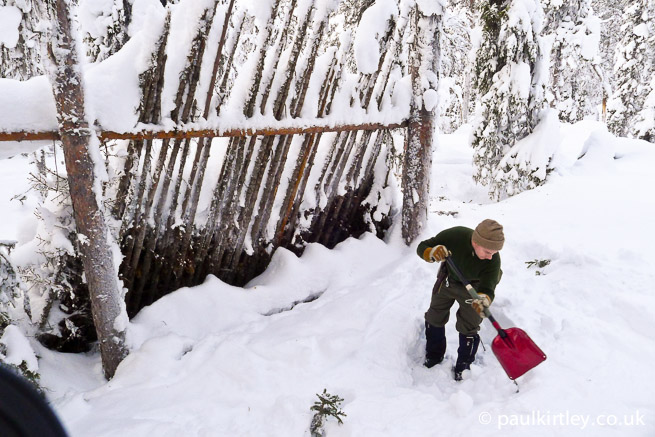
x=216 y=360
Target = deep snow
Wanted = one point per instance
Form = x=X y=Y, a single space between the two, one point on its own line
x=216 y=360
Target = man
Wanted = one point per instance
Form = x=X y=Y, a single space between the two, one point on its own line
x=475 y=252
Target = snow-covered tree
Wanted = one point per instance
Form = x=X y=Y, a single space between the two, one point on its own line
x=15 y=350
x=56 y=298
x=631 y=109
x=455 y=84
x=22 y=21
x=510 y=81
x=609 y=13
x=104 y=26
x=8 y=285
x=573 y=33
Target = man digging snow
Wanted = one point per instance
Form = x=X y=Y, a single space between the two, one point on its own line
x=475 y=252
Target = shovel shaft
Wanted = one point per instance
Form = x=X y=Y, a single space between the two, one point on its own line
x=474 y=295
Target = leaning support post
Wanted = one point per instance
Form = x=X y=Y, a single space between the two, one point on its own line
x=424 y=60
x=80 y=147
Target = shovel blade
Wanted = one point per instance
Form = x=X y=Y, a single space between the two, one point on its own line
x=516 y=352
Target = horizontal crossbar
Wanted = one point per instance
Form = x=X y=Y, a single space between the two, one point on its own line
x=203 y=133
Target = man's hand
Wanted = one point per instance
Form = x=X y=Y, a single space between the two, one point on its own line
x=480 y=304
x=435 y=254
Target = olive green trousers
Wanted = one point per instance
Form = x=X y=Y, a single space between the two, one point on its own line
x=444 y=295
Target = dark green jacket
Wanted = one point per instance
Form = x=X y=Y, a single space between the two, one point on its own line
x=458 y=241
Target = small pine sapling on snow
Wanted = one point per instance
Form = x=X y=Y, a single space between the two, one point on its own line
x=539 y=263
x=327 y=405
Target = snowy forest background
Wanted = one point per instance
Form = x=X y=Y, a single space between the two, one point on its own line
x=588 y=52
x=509 y=71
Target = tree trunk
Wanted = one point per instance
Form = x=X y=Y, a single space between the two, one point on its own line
x=106 y=301
x=416 y=174
x=424 y=55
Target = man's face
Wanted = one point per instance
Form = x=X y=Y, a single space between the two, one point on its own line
x=482 y=252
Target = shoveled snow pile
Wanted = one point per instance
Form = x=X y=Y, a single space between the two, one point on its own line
x=217 y=360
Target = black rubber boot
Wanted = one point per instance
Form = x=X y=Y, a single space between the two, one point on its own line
x=435 y=346
x=468 y=347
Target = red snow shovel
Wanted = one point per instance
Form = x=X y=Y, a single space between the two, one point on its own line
x=515 y=350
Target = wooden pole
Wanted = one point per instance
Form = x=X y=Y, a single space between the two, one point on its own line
x=183 y=133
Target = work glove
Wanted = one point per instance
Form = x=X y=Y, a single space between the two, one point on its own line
x=480 y=304
x=436 y=253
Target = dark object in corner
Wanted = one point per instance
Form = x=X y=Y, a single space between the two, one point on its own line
x=23 y=411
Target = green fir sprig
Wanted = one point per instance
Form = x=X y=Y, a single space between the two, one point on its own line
x=326 y=406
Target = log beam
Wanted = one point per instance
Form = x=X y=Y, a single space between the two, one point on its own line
x=155 y=134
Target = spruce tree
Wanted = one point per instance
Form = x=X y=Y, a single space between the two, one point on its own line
x=104 y=27
x=631 y=110
x=20 y=57
x=576 y=78
x=455 y=87
x=609 y=13
x=509 y=81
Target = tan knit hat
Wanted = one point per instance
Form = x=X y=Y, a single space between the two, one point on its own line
x=489 y=234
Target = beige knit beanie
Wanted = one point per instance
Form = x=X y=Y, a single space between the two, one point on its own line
x=489 y=234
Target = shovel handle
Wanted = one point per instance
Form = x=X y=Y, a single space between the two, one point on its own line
x=474 y=295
